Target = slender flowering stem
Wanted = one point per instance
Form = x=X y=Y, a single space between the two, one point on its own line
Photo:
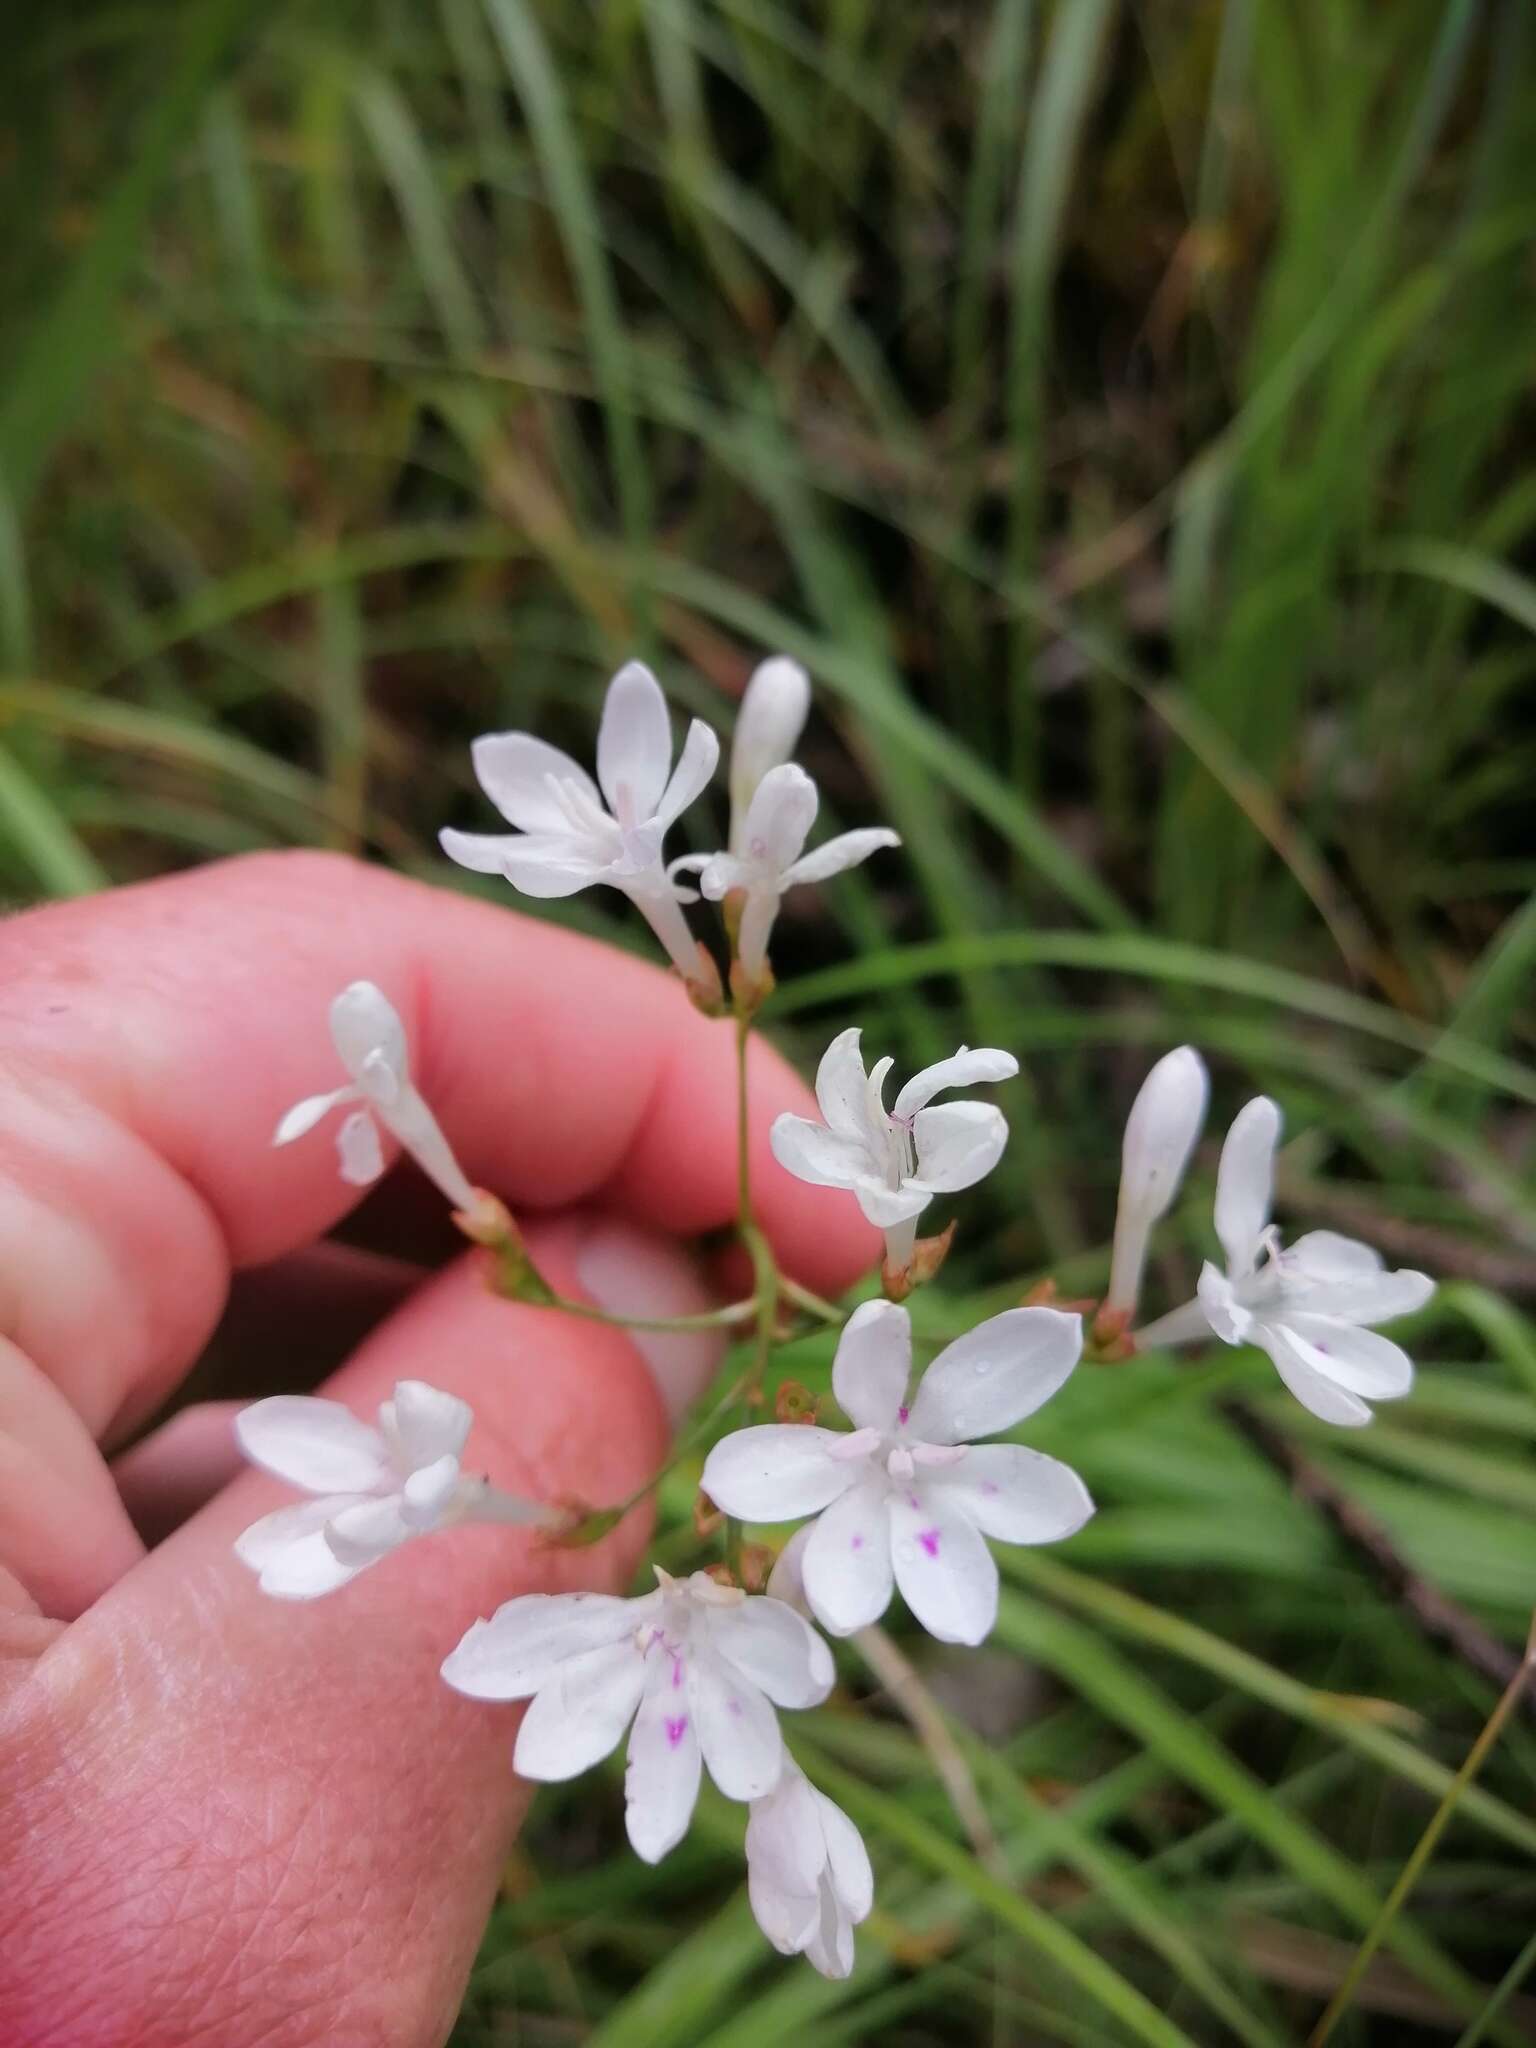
x=1413 y=1869
x=813 y=1305
x=925 y=1717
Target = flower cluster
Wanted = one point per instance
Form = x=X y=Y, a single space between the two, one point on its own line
x=909 y=1497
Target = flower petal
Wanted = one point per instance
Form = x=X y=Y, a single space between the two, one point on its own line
x=756 y=928
x=661 y=1781
x=873 y=1365
x=513 y=1654
x=428 y=1490
x=957 y=1144
x=846 y=1565
x=779 y=817
x=580 y=1712
x=719 y=874
x=299 y=1529
x=836 y=855
x=1360 y=1361
x=738 y=1729
x=963 y=1068
x=813 y=1153
x=847 y=1858
x=547 y=866
x=996 y=1374
x=1345 y=1278
x=366 y=1531
x=359 y=1152
x=365 y=1025
x=786 y=1856
x=1245 y=1182
x=776 y=1649
x=944 y=1569
x=634 y=744
x=1323 y=1397
x=316 y=1444
x=306 y=1114
x=427 y=1423
x=831 y=1948
x=785 y=1581
x=885 y=1206
x=690 y=778
x=1217 y=1299
x=773 y=711
x=484 y=853
x=514 y=770
x=1012 y=1494
x=840 y=1087
x=295 y=1562
x=776 y=1472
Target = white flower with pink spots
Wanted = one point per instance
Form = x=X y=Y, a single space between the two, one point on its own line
x=908 y=1497
x=696 y=1667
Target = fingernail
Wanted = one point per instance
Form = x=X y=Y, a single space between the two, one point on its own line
x=628 y=1271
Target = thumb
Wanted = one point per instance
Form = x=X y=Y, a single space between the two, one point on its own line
x=234 y=1819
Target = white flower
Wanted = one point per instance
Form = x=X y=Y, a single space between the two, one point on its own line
x=770 y=859
x=370 y=1043
x=773 y=711
x=1160 y=1134
x=908 y=1496
x=693 y=1664
x=1307 y=1305
x=895 y=1161
x=808 y=1873
x=377 y=1487
x=568 y=836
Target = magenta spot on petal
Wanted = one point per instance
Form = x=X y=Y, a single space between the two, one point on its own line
x=677 y=1672
x=913 y=1501
x=929 y=1539
x=989 y=1486
x=676 y=1730
x=857 y=1543
x=902 y=1414
x=733 y=1706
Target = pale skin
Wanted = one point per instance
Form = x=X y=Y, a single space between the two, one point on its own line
x=225 y=1819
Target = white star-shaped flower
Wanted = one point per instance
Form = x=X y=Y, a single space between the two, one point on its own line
x=770 y=858
x=377 y=1487
x=909 y=1497
x=895 y=1161
x=370 y=1042
x=696 y=1666
x=772 y=715
x=572 y=832
x=1309 y=1304
x=808 y=1874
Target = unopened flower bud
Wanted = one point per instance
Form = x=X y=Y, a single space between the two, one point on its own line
x=1160 y=1134
x=772 y=715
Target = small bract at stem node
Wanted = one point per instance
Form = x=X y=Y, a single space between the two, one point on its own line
x=927 y=1255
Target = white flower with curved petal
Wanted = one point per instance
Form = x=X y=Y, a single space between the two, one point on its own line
x=572 y=832
x=808 y=1874
x=907 y=1498
x=895 y=1161
x=1160 y=1134
x=771 y=857
x=377 y=1487
x=1308 y=1305
x=697 y=1667
x=772 y=714
x=370 y=1042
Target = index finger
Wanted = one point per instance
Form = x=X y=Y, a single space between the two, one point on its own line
x=153 y=1037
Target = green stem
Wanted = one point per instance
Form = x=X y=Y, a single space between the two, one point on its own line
x=813 y=1305
x=1424 y=1848
x=743 y=1163
x=1505 y=1990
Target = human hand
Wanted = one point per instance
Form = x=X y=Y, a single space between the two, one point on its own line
x=224 y=1820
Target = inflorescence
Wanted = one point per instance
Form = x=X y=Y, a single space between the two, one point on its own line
x=907 y=1498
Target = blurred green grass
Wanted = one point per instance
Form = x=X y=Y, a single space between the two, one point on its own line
x=1126 y=413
